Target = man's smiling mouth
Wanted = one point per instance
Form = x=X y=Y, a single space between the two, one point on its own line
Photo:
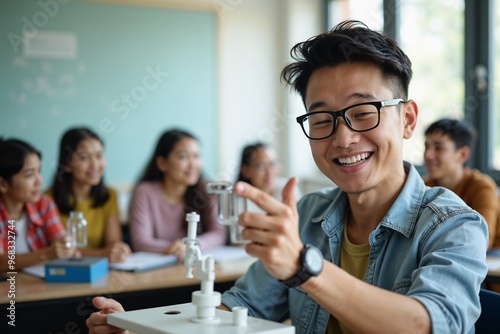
x=354 y=160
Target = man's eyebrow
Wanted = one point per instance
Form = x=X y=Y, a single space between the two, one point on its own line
x=436 y=142
x=355 y=96
x=361 y=95
x=316 y=105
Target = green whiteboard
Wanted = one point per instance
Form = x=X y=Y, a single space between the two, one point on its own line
x=127 y=72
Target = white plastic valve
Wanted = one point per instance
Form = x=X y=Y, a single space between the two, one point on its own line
x=205 y=300
x=192 y=218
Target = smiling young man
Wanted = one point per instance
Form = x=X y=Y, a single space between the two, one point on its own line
x=396 y=256
x=448 y=146
x=382 y=253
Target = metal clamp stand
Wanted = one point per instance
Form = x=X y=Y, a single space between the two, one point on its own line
x=207 y=299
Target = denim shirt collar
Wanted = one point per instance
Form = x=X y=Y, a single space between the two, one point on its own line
x=403 y=218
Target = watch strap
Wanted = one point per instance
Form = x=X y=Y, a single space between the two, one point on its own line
x=302 y=275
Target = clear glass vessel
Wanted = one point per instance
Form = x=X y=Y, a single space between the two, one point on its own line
x=76 y=229
x=229 y=207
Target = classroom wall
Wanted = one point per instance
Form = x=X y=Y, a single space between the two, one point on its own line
x=250 y=44
x=255 y=41
x=128 y=72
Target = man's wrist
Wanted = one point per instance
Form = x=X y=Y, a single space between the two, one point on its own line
x=311 y=264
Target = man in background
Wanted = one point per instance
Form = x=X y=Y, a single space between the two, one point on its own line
x=448 y=146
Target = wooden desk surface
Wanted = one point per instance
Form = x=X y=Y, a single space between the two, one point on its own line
x=30 y=288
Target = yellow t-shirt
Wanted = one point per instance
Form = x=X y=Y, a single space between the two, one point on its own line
x=96 y=218
x=354 y=259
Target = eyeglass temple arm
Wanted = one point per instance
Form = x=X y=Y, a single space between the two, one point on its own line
x=393 y=102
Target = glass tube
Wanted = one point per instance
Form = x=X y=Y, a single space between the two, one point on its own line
x=229 y=207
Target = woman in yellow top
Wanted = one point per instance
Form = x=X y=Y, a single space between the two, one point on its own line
x=78 y=186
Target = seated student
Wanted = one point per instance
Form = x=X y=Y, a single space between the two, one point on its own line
x=259 y=167
x=30 y=228
x=448 y=146
x=381 y=253
x=78 y=185
x=171 y=187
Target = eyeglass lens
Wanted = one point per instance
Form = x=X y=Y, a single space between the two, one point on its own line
x=358 y=118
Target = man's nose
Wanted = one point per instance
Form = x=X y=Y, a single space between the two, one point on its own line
x=342 y=135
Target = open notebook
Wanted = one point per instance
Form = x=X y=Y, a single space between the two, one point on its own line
x=136 y=262
x=227 y=257
x=231 y=258
x=141 y=261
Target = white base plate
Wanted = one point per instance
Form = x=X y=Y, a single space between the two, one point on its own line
x=175 y=319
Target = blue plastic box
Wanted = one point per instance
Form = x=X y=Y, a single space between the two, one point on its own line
x=83 y=270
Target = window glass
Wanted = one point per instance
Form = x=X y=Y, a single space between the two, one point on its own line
x=431 y=34
x=368 y=12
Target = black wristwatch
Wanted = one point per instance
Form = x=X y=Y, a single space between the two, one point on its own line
x=311 y=261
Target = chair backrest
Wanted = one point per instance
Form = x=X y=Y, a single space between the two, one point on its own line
x=488 y=322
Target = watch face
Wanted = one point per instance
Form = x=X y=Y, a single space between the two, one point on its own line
x=314 y=260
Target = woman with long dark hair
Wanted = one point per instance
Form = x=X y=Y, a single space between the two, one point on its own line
x=30 y=229
x=170 y=187
x=79 y=186
x=260 y=167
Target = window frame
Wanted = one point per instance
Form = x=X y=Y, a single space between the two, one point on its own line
x=478 y=51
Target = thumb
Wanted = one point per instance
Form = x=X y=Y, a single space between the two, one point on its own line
x=107 y=305
x=288 y=194
x=99 y=302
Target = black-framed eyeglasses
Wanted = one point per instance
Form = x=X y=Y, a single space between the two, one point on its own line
x=360 y=117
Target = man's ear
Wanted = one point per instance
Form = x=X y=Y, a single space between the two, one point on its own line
x=464 y=153
x=410 y=109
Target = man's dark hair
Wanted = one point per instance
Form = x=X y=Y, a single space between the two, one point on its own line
x=460 y=132
x=349 y=41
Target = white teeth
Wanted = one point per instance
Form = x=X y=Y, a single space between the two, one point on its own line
x=354 y=159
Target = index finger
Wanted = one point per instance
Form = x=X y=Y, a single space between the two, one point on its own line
x=263 y=200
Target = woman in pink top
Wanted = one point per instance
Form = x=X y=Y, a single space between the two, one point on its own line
x=172 y=186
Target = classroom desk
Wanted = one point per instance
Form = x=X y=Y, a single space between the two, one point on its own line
x=64 y=307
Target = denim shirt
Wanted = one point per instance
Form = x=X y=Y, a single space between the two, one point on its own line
x=429 y=246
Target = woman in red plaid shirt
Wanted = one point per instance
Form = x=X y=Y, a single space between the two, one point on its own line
x=30 y=229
